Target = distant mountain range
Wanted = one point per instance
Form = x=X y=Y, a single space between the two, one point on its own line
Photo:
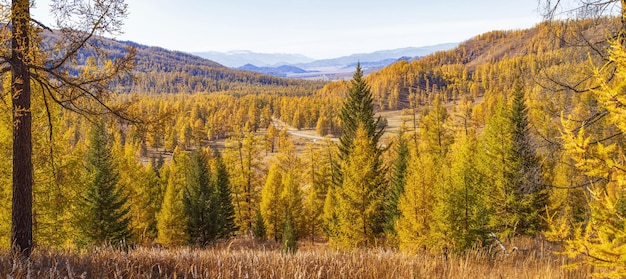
x=239 y=58
x=300 y=66
x=379 y=57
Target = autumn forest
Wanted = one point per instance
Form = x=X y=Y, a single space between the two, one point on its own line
x=502 y=156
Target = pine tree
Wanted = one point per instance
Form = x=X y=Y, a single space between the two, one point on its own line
x=359 y=199
x=155 y=199
x=358 y=110
x=258 y=229
x=290 y=244
x=357 y=113
x=270 y=138
x=226 y=211
x=105 y=219
x=322 y=128
x=513 y=172
x=528 y=169
x=200 y=201
x=426 y=180
x=132 y=176
x=495 y=150
x=397 y=181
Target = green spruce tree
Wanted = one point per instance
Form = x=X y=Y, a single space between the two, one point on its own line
x=258 y=228
x=356 y=114
x=105 y=219
x=225 y=211
x=528 y=171
x=396 y=184
x=200 y=201
x=358 y=110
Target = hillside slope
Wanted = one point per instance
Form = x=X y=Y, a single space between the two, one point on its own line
x=164 y=71
x=471 y=68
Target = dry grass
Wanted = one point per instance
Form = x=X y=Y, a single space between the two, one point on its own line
x=244 y=259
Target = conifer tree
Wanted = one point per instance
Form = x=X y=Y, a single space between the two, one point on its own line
x=358 y=110
x=45 y=66
x=416 y=203
x=270 y=138
x=132 y=176
x=291 y=199
x=171 y=220
x=242 y=161
x=495 y=150
x=600 y=240
x=200 y=201
x=258 y=229
x=153 y=202
x=322 y=128
x=357 y=113
x=290 y=244
x=226 y=211
x=512 y=170
x=359 y=199
x=426 y=181
x=319 y=178
x=105 y=219
x=528 y=171
x=271 y=203
x=460 y=211
x=331 y=223
x=397 y=181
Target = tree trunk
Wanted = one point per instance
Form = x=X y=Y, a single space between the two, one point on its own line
x=21 y=230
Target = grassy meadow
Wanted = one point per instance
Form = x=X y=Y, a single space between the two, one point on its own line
x=245 y=258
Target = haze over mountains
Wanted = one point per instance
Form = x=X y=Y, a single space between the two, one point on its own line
x=238 y=58
x=300 y=66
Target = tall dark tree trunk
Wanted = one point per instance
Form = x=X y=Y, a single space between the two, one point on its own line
x=21 y=230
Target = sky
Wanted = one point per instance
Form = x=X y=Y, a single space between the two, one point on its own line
x=316 y=28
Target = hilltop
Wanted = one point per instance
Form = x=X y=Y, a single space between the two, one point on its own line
x=471 y=68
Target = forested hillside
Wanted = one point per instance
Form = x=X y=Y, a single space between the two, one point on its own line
x=161 y=71
x=512 y=135
x=490 y=62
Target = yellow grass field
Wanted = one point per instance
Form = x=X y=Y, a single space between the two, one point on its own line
x=243 y=259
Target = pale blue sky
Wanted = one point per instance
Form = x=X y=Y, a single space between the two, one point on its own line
x=316 y=28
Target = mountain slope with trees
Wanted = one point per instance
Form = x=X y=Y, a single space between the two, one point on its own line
x=158 y=70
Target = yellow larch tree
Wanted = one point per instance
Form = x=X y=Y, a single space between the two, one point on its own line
x=171 y=221
x=291 y=197
x=359 y=199
x=602 y=240
x=271 y=204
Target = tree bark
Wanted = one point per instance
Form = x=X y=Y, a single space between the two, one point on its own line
x=21 y=229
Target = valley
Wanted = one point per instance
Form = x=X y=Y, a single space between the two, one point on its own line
x=302 y=67
x=499 y=156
